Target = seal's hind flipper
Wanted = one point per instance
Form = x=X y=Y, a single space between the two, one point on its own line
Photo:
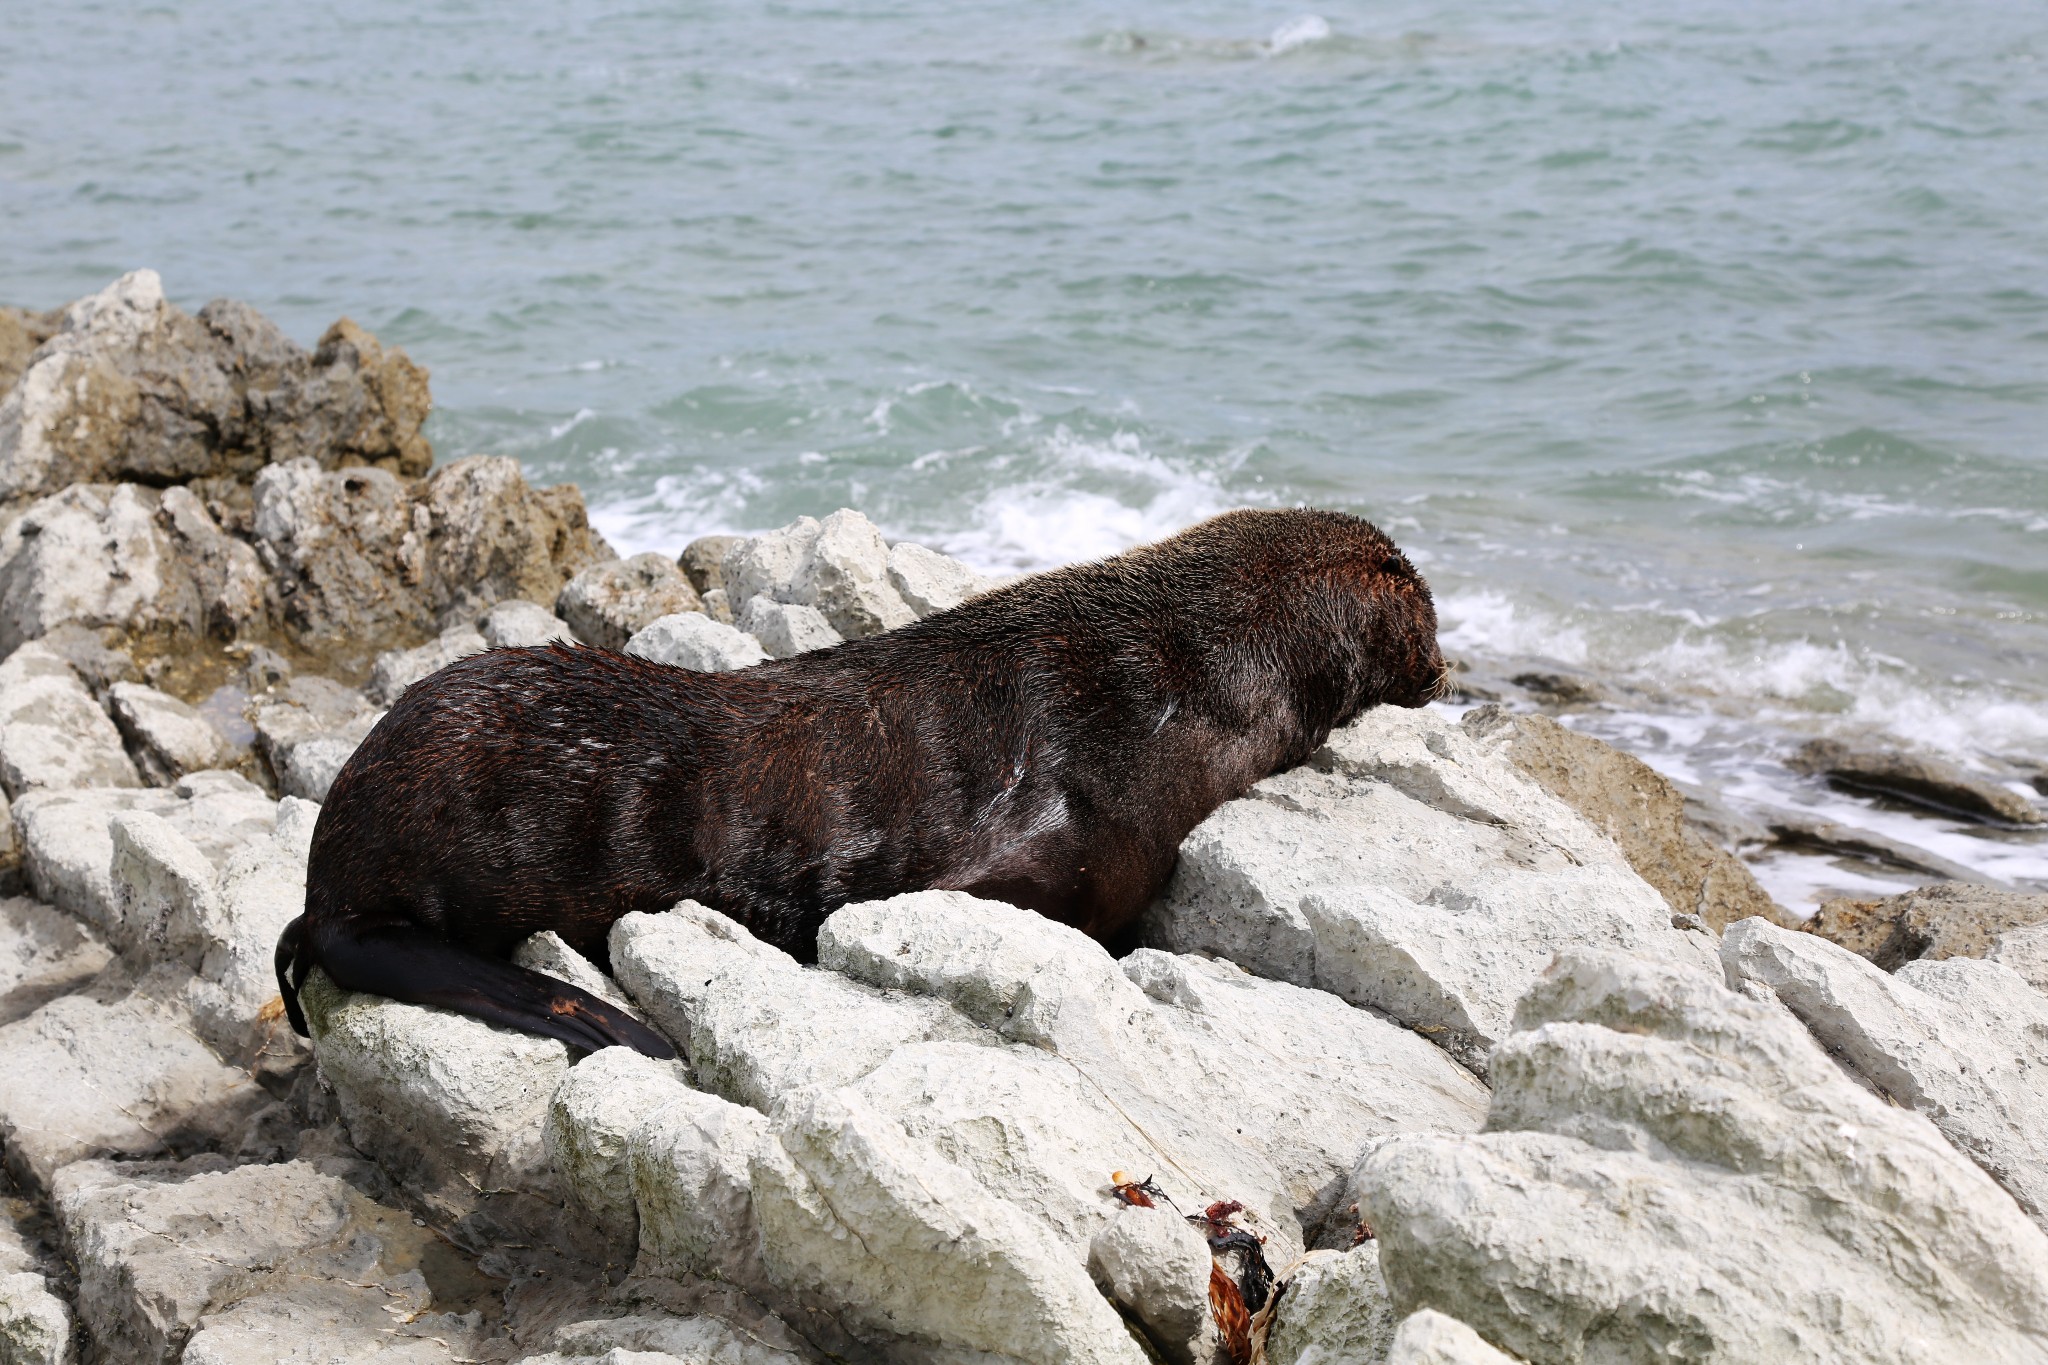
x=291 y=969
x=410 y=964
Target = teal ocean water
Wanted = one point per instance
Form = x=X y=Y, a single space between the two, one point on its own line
x=1704 y=345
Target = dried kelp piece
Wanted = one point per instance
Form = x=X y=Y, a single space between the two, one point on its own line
x=1141 y=1193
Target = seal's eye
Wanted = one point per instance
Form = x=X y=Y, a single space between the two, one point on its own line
x=1392 y=564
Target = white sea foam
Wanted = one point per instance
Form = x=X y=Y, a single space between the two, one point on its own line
x=561 y=429
x=1298 y=32
x=1486 y=623
x=680 y=507
x=1863 y=690
x=1097 y=496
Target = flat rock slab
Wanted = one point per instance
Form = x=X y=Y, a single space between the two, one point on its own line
x=1673 y=1170
x=68 y=842
x=1407 y=868
x=83 y=1078
x=167 y=738
x=258 y=1263
x=53 y=735
x=649 y=1339
x=449 y=1106
x=44 y=953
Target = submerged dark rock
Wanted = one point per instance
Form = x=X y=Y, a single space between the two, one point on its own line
x=1920 y=779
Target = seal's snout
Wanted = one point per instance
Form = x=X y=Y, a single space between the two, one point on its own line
x=1432 y=684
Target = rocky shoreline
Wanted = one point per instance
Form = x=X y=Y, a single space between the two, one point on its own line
x=1472 y=1039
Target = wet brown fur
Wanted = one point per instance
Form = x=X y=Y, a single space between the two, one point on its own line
x=1049 y=744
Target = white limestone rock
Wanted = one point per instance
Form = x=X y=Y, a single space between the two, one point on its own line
x=43 y=954
x=35 y=1324
x=35 y=1321
x=608 y=603
x=660 y=1339
x=2025 y=950
x=519 y=624
x=930 y=582
x=983 y=1048
x=1406 y=868
x=590 y=1133
x=310 y=730
x=256 y=1264
x=122 y=318
x=167 y=738
x=1310 y=1080
x=1335 y=1308
x=785 y=630
x=53 y=735
x=1672 y=1168
x=912 y=1246
x=1156 y=1267
x=83 y=1077
x=309 y=767
x=755 y=1025
x=451 y=1107
x=839 y=567
x=398 y=669
x=68 y=843
x=767 y=565
x=1963 y=1041
x=218 y=919
x=1431 y=1338
x=693 y=640
x=845 y=576
x=125 y=556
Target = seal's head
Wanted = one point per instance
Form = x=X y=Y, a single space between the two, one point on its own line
x=1345 y=614
x=1398 y=625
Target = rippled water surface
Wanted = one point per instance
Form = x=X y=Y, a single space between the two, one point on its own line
x=1704 y=344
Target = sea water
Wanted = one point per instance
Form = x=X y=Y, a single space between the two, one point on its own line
x=1699 y=346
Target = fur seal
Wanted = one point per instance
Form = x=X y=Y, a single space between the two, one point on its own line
x=1049 y=743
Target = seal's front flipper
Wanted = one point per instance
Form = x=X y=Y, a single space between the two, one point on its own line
x=410 y=964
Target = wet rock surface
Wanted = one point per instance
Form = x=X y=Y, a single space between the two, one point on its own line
x=1915 y=777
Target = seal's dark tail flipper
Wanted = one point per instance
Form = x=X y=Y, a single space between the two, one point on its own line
x=408 y=963
x=291 y=967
